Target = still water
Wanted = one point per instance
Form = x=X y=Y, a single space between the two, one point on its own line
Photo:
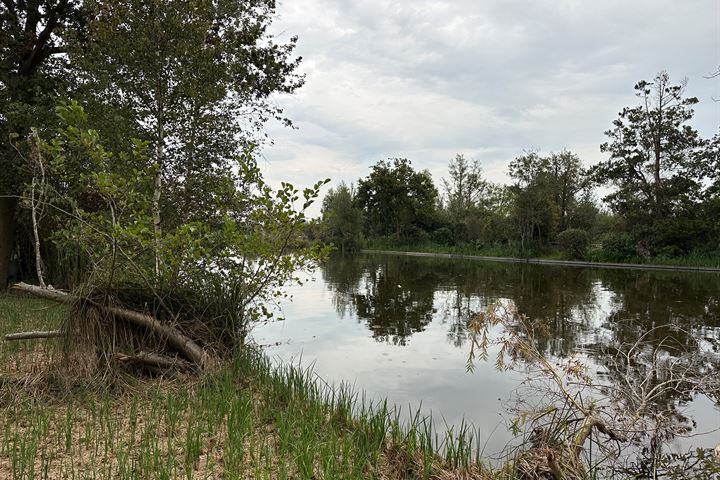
x=395 y=327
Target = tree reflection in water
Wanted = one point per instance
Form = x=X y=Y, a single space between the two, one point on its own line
x=592 y=312
x=582 y=308
x=394 y=298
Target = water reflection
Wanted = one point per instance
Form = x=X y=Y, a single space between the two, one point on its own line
x=583 y=309
x=395 y=327
x=395 y=299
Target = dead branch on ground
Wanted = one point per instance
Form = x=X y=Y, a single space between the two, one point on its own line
x=183 y=344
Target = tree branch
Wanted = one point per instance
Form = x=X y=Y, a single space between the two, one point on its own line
x=34 y=335
x=41 y=50
x=153 y=360
x=182 y=343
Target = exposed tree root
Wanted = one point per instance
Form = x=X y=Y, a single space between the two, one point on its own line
x=183 y=344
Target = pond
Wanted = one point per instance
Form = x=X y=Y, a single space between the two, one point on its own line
x=396 y=327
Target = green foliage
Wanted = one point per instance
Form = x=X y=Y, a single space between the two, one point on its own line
x=465 y=189
x=535 y=212
x=341 y=219
x=546 y=197
x=32 y=74
x=574 y=243
x=237 y=259
x=659 y=166
x=443 y=236
x=585 y=213
x=567 y=179
x=396 y=200
x=190 y=65
x=549 y=211
x=652 y=152
x=665 y=176
x=194 y=79
x=618 y=247
x=473 y=208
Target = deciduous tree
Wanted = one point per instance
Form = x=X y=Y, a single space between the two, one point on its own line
x=465 y=188
x=396 y=199
x=535 y=211
x=659 y=166
x=194 y=77
x=654 y=154
x=566 y=174
x=341 y=218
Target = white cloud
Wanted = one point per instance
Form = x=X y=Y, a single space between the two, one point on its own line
x=428 y=79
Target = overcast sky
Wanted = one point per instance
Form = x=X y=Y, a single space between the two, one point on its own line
x=486 y=78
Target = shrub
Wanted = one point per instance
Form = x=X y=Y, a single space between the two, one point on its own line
x=574 y=242
x=618 y=247
x=443 y=236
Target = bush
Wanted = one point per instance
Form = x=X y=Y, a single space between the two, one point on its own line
x=443 y=236
x=574 y=243
x=618 y=247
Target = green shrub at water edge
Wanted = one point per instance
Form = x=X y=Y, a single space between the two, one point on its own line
x=574 y=243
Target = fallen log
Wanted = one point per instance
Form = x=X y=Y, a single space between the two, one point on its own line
x=34 y=335
x=153 y=360
x=48 y=293
x=183 y=344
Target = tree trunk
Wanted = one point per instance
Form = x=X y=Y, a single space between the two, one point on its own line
x=157 y=225
x=154 y=360
x=36 y=202
x=157 y=195
x=157 y=184
x=657 y=166
x=8 y=206
x=563 y=205
x=658 y=182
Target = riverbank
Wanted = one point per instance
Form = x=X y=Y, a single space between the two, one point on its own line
x=549 y=261
x=247 y=419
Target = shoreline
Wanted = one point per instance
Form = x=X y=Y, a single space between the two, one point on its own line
x=541 y=261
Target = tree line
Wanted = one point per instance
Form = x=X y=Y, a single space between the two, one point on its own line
x=664 y=200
